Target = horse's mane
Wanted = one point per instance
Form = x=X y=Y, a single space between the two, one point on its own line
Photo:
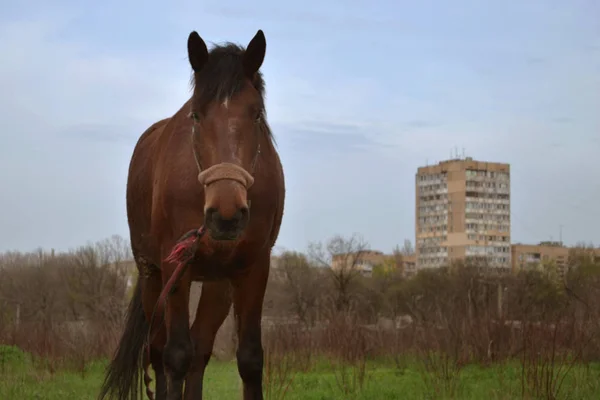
x=223 y=76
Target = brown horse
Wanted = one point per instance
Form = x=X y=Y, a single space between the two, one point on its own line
x=213 y=165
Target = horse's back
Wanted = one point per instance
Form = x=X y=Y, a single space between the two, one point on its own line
x=139 y=187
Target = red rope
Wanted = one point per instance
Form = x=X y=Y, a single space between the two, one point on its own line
x=181 y=255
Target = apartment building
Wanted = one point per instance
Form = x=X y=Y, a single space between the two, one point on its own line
x=409 y=265
x=463 y=213
x=363 y=261
x=528 y=256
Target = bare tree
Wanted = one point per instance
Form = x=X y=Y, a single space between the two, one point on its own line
x=385 y=280
x=96 y=279
x=303 y=284
x=43 y=293
x=407 y=248
x=398 y=257
x=343 y=257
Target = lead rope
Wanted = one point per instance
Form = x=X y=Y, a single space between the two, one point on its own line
x=183 y=252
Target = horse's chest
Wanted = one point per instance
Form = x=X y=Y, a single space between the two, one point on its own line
x=213 y=269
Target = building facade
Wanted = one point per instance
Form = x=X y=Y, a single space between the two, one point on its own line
x=531 y=256
x=362 y=261
x=409 y=265
x=525 y=256
x=365 y=261
x=463 y=213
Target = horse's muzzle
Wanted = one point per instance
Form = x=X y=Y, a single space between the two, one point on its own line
x=221 y=228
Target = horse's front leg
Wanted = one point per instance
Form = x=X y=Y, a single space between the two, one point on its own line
x=249 y=290
x=213 y=307
x=178 y=351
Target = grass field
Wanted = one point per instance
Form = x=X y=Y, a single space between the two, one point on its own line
x=21 y=378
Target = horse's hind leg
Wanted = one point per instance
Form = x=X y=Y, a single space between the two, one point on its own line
x=213 y=307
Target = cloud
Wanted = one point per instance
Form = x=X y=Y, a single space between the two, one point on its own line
x=107 y=133
x=66 y=83
x=318 y=19
x=326 y=139
x=354 y=112
x=70 y=117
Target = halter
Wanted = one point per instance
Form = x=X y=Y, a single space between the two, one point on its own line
x=222 y=170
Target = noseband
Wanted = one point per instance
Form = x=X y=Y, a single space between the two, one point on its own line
x=224 y=170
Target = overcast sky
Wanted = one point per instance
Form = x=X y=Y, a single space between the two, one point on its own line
x=359 y=95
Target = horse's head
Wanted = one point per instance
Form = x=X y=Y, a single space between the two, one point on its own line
x=228 y=114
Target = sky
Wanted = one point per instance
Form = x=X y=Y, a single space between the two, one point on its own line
x=359 y=95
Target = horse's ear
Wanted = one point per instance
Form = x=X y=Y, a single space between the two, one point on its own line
x=197 y=51
x=255 y=54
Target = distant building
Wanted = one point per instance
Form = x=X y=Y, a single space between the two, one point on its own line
x=362 y=261
x=277 y=273
x=409 y=265
x=526 y=256
x=463 y=213
x=366 y=261
x=530 y=256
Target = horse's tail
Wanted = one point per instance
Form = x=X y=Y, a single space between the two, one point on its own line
x=123 y=375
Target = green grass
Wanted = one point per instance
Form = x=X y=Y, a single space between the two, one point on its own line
x=21 y=378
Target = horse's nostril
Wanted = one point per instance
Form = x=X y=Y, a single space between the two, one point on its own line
x=211 y=214
x=244 y=213
x=234 y=223
x=239 y=216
